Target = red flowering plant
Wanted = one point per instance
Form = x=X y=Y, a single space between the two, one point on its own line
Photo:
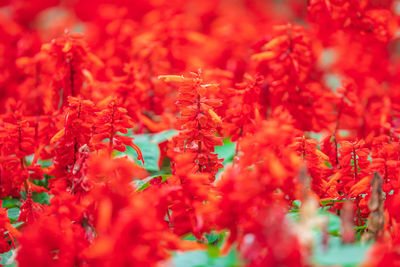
x=281 y=149
x=198 y=122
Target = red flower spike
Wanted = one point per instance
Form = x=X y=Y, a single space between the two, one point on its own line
x=68 y=100
x=111 y=119
x=189 y=201
x=197 y=123
x=51 y=241
x=71 y=58
x=244 y=108
x=315 y=162
x=30 y=211
x=76 y=133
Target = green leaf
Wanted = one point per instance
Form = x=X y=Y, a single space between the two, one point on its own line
x=163 y=136
x=360 y=228
x=296 y=203
x=42 y=197
x=11 y=203
x=13 y=214
x=43 y=182
x=330 y=202
x=226 y=151
x=190 y=237
x=148 y=144
x=211 y=238
x=7 y=258
x=145 y=183
x=17 y=224
x=334 y=222
x=346 y=255
x=150 y=152
x=201 y=258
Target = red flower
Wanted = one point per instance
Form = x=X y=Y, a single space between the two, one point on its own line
x=189 y=200
x=198 y=122
x=52 y=241
x=111 y=119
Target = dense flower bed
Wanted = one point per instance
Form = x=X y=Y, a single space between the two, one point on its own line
x=199 y=133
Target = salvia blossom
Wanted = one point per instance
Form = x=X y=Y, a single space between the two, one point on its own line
x=198 y=121
x=257 y=133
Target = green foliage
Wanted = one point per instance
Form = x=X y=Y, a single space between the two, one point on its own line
x=13 y=214
x=210 y=257
x=7 y=259
x=201 y=258
x=145 y=183
x=334 y=223
x=150 y=152
x=10 y=202
x=347 y=255
x=43 y=182
x=149 y=145
x=213 y=238
x=226 y=151
x=331 y=202
x=163 y=136
x=335 y=253
x=42 y=198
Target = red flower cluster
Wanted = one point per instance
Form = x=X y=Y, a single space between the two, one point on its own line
x=272 y=103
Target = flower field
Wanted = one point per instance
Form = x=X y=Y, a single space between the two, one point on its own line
x=196 y=133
